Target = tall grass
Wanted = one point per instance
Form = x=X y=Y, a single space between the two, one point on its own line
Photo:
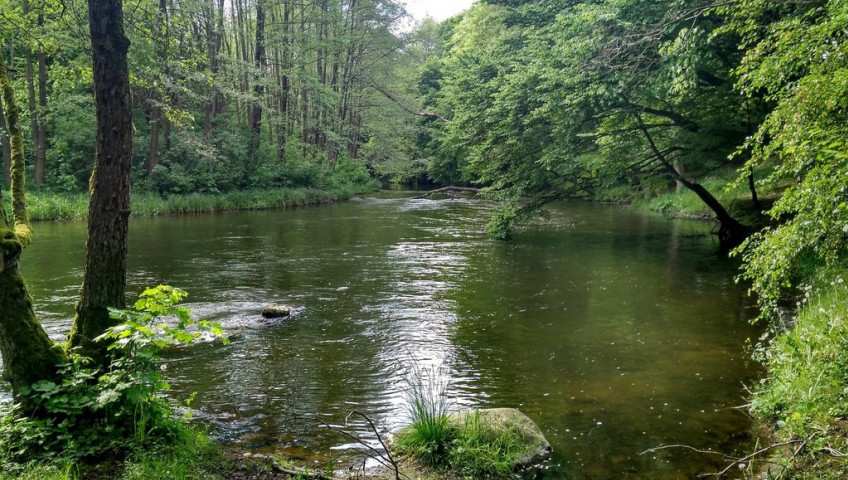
x=59 y=206
x=806 y=394
x=430 y=433
x=461 y=443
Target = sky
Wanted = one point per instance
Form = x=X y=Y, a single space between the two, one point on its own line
x=438 y=9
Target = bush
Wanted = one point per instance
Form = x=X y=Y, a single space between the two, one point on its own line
x=89 y=412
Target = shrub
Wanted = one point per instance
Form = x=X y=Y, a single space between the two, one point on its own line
x=89 y=412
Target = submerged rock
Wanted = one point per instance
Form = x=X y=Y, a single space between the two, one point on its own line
x=276 y=310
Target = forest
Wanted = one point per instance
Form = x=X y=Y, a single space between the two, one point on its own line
x=730 y=111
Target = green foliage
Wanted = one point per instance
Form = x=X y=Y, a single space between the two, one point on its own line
x=796 y=58
x=468 y=447
x=481 y=451
x=89 y=412
x=805 y=395
x=502 y=221
x=49 y=206
x=546 y=100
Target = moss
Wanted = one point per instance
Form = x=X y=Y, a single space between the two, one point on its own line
x=19 y=212
x=28 y=353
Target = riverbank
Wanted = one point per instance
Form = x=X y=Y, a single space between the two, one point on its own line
x=47 y=206
x=805 y=396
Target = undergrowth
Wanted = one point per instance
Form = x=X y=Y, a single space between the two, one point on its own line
x=90 y=414
x=805 y=397
x=45 y=205
x=462 y=444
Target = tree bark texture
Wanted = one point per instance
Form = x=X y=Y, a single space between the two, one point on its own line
x=105 y=273
x=28 y=353
x=6 y=147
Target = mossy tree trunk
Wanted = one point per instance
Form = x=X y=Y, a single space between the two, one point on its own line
x=105 y=274
x=28 y=353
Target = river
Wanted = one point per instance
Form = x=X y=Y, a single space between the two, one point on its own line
x=616 y=331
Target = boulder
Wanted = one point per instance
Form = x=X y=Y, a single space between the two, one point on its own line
x=276 y=310
x=534 y=447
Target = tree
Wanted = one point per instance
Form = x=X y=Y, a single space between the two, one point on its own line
x=554 y=99
x=105 y=275
x=796 y=59
x=28 y=354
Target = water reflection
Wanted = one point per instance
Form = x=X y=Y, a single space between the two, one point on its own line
x=615 y=331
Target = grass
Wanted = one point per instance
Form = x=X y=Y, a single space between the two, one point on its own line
x=805 y=397
x=192 y=456
x=57 y=206
x=461 y=444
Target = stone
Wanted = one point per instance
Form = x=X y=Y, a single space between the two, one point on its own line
x=534 y=448
x=276 y=310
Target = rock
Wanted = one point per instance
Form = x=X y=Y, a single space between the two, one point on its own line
x=276 y=310
x=534 y=447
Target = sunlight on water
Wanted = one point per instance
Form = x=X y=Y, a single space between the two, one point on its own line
x=615 y=331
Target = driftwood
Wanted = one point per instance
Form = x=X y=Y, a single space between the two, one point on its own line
x=449 y=190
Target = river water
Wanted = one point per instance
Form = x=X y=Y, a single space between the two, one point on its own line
x=616 y=331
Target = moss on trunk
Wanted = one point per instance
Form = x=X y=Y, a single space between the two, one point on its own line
x=28 y=354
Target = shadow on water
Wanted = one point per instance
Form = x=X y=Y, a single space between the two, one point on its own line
x=615 y=331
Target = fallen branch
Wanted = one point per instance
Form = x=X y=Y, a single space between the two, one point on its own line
x=450 y=189
x=733 y=460
x=298 y=473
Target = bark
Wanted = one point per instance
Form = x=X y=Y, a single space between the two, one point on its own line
x=731 y=233
x=6 y=147
x=41 y=140
x=28 y=354
x=104 y=278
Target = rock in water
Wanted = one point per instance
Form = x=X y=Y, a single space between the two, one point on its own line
x=276 y=311
x=533 y=447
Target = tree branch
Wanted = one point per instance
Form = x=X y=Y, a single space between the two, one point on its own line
x=424 y=114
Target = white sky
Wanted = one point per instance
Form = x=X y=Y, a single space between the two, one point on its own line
x=438 y=9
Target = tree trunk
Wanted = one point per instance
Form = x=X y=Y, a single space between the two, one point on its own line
x=4 y=144
x=752 y=186
x=155 y=122
x=28 y=354
x=104 y=278
x=258 y=89
x=731 y=233
x=41 y=140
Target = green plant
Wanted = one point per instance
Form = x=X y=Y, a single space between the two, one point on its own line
x=479 y=450
x=428 y=437
x=89 y=411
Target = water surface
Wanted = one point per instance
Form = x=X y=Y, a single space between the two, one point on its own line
x=615 y=331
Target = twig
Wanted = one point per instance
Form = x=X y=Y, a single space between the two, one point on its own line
x=687 y=447
x=759 y=452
